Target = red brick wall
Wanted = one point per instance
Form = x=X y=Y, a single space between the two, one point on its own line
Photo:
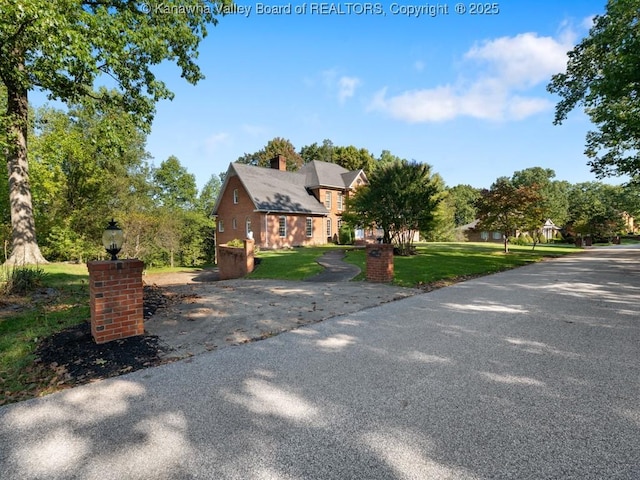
x=235 y=262
x=116 y=300
x=244 y=209
x=296 y=232
x=379 y=262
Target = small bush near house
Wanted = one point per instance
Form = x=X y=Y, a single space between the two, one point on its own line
x=236 y=242
x=347 y=235
x=21 y=280
x=541 y=238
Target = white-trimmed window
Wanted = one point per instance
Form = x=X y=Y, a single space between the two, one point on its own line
x=497 y=236
x=327 y=200
x=234 y=223
x=329 y=231
x=220 y=226
x=282 y=226
x=484 y=235
x=340 y=201
x=309 y=228
x=339 y=224
x=248 y=226
x=235 y=195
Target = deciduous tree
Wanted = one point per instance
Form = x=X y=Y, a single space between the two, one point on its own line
x=603 y=76
x=64 y=48
x=273 y=148
x=554 y=194
x=506 y=208
x=463 y=200
x=401 y=198
x=596 y=210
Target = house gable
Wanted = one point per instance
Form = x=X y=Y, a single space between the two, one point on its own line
x=284 y=208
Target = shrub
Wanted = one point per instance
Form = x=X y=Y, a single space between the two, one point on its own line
x=236 y=242
x=21 y=280
x=346 y=235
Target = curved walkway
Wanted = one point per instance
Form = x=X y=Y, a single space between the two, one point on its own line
x=335 y=269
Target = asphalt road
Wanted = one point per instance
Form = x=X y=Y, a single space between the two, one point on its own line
x=533 y=373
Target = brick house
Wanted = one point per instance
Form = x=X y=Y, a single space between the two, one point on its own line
x=284 y=209
x=472 y=234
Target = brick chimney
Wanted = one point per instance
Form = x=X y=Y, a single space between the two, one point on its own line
x=279 y=163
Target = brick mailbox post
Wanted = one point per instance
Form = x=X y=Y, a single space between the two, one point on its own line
x=116 y=299
x=380 y=262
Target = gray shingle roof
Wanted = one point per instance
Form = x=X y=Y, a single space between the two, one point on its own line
x=277 y=191
x=324 y=174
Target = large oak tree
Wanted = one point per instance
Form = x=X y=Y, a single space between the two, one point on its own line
x=64 y=48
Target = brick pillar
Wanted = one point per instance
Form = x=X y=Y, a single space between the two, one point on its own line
x=380 y=262
x=116 y=300
x=249 y=245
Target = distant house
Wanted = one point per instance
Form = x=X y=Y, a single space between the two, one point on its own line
x=549 y=230
x=473 y=234
x=284 y=209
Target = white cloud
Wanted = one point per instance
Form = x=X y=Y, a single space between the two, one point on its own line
x=523 y=60
x=347 y=87
x=343 y=87
x=587 y=22
x=504 y=71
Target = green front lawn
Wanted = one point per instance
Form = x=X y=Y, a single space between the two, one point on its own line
x=24 y=321
x=448 y=261
x=434 y=261
x=293 y=264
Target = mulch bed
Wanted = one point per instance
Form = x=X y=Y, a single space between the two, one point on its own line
x=74 y=358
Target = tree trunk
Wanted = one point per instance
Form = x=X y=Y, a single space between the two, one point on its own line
x=506 y=243
x=25 y=248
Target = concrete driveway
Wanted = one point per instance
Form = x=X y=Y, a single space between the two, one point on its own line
x=532 y=373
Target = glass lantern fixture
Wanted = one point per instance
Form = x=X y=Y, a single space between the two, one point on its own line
x=112 y=239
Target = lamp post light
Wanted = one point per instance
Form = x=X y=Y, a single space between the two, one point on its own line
x=112 y=239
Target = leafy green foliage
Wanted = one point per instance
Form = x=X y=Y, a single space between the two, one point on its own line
x=346 y=235
x=554 y=195
x=506 y=208
x=401 y=198
x=65 y=48
x=595 y=210
x=273 y=148
x=236 y=242
x=174 y=186
x=21 y=332
x=322 y=153
x=462 y=199
x=21 y=280
x=603 y=75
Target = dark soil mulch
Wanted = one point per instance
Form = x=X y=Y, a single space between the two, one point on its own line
x=74 y=358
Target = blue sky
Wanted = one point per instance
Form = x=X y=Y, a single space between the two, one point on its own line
x=464 y=93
